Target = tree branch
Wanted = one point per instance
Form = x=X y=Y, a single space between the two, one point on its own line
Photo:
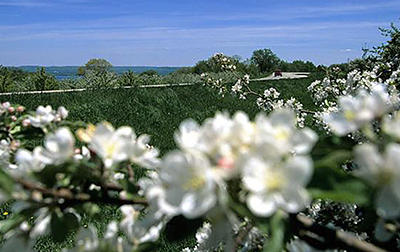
x=241 y=236
x=323 y=237
x=65 y=198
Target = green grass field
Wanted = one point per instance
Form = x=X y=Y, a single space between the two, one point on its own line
x=154 y=111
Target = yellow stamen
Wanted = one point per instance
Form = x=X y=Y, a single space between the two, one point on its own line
x=110 y=149
x=281 y=134
x=274 y=181
x=194 y=184
x=85 y=135
x=349 y=115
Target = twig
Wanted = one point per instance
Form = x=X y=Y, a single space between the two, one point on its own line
x=65 y=198
x=323 y=237
x=241 y=236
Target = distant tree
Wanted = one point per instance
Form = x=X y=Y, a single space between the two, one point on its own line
x=43 y=80
x=206 y=66
x=183 y=70
x=210 y=66
x=98 y=66
x=9 y=76
x=149 y=73
x=265 y=60
x=127 y=79
x=39 y=81
x=5 y=79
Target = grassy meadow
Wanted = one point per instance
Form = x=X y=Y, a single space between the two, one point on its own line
x=154 y=111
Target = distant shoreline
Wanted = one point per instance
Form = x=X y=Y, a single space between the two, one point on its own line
x=70 y=72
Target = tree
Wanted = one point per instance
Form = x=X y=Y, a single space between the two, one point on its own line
x=9 y=76
x=149 y=73
x=127 y=79
x=99 y=66
x=265 y=60
x=40 y=80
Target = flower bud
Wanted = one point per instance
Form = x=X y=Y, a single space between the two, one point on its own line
x=20 y=109
x=5 y=105
x=11 y=110
x=26 y=123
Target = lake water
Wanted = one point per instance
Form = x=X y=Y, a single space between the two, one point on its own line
x=69 y=72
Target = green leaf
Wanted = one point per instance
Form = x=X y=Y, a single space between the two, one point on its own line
x=146 y=247
x=91 y=209
x=275 y=241
x=8 y=224
x=334 y=159
x=6 y=182
x=331 y=182
x=339 y=196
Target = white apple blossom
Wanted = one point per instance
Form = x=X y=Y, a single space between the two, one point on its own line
x=143 y=154
x=4 y=153
x=147 y=228
x=275 y=184
x=356 y=112
x=188 y=136
x=224 y=145
x=58 y=147
x=280 y=135
x=111 y=231
x=237 y=88
x=383 y=172
x=28 y=161
x=189 y=184
x=4 y=106
x=61 y=114
x=129 y=216
x=114 y=146
x=221 y=139
x=43 y=117
x=391 y=125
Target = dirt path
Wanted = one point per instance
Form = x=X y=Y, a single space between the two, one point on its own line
x=285 y=75
x=85 y=89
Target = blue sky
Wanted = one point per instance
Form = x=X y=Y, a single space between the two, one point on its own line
x=181 y=32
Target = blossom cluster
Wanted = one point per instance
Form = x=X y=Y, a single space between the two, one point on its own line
x=270 y=102
x=371 y=112
x=102 y=144
x=328 y=90
x=269 y=156
x=224 y=62
x=363 y=97
x=46 y=115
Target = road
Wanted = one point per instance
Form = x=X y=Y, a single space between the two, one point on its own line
x=285 y=75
